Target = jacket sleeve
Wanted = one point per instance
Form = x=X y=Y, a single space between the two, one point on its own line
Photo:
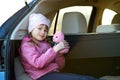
x=34 y=58
x=60 y=61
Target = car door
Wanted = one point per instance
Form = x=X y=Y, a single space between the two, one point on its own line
x=4 y=34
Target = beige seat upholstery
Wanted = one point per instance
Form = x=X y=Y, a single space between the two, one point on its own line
x=110 y=78
x=74 y=23
x=108 y=28
x=19 y=71
x=113 y=27
x=116 y=19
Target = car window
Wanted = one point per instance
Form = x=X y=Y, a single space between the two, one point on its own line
x=107 y=19
x=8 y=8
x=85 y=10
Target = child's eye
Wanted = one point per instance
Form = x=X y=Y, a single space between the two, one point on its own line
x=39 y=28
x=46 y=30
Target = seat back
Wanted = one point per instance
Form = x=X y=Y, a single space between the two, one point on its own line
x=108 y=28
x=74 y=23
x=116 y=19
x=113 y=27
x=19 y=70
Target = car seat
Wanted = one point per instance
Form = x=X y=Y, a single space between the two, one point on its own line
x=74 y=23
x=19 y=70
x=116 y=19
x=112 y=28
x=110 y=78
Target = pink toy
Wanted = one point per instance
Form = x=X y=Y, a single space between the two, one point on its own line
x=58 y=37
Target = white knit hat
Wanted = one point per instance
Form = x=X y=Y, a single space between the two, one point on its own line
x=37 y=19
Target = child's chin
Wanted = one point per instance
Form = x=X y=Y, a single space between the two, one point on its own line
x=40 y=39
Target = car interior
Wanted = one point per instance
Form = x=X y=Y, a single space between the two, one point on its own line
x=94 y=48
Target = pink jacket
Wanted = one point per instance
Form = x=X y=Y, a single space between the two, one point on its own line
x=39 y=60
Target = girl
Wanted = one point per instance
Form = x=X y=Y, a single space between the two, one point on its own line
x=40 y=60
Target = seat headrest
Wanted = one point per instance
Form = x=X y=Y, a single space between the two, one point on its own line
x=116 y=19
x=74 y=23
x=108 y=28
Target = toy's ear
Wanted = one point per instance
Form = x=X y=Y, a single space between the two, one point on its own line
x=59 y=33
x=62 y=34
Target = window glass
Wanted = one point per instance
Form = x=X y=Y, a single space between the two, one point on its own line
x=85 y=10
x=106 y=19
x=8 y=8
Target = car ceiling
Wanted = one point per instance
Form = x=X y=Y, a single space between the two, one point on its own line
x=111 y=4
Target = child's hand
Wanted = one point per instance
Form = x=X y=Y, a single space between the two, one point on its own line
x=66 y=44
x=61 y=46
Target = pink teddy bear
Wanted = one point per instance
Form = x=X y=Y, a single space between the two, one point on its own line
x=58 y=37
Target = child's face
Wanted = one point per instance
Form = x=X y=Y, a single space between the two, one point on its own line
x=40 y=32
